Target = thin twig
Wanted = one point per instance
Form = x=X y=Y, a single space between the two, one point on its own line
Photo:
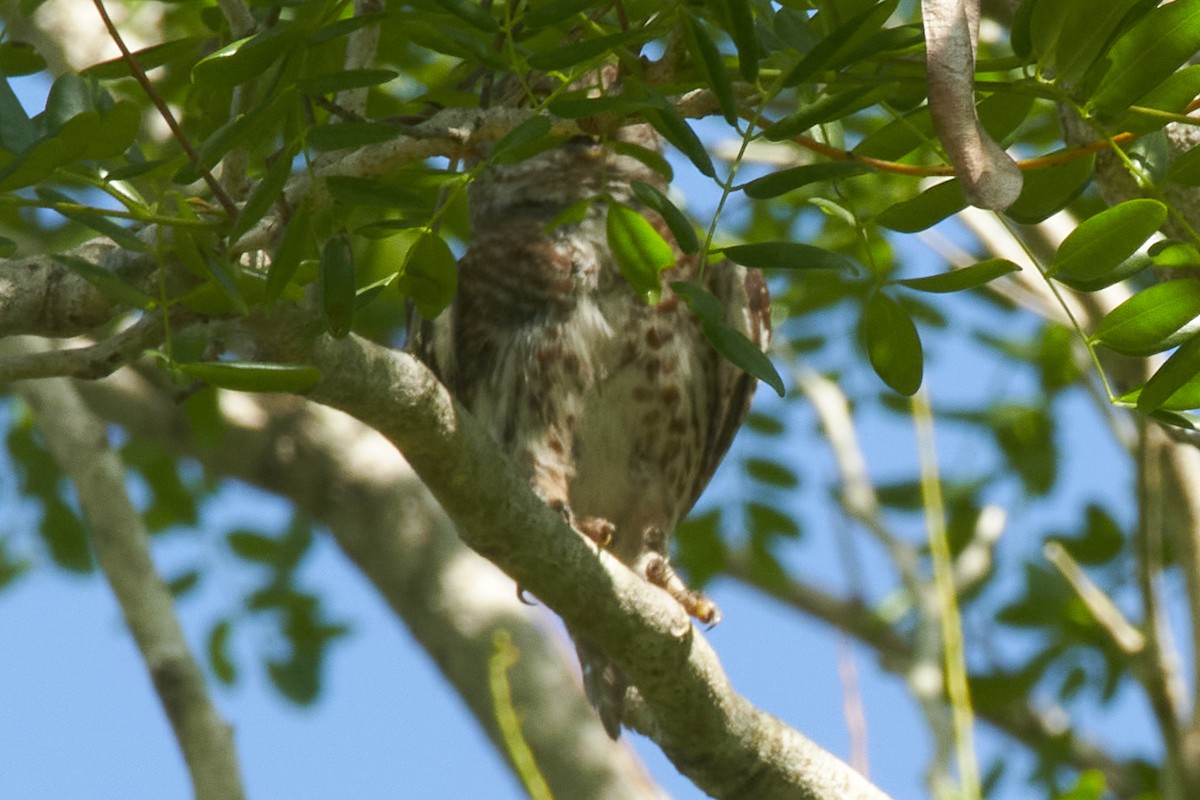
x=91 y=362
x=139 y=74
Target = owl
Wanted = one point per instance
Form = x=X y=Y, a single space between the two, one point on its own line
x=617 y=410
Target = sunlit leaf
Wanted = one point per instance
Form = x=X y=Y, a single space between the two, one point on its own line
x=1179 y=370
x=1100 y=243
x=1147 y=54
x=253 y=376
x=641 y=253
x=1151 y=321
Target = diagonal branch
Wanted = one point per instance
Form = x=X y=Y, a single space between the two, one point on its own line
x=729 y=748
x=79 y=442
x=452 y=601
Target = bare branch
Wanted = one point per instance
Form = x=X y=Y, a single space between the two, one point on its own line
x=452 y=600
x=360 y=53
x=118 y=536
x=93 y=361
x=715 y=736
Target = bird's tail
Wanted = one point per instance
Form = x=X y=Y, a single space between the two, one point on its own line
x=605 y=685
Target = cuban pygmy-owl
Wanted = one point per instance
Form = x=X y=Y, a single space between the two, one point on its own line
x=617 y=410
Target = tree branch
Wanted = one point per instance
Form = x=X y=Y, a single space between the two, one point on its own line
x=452 y=601
x=713 y=735
x=79 y=443
x=90 y=362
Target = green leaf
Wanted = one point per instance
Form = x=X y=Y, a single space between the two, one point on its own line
x=703 y=303
x=893 y=344
x=184 y=582
x=1153 y=320
x=20 y=58
x=1181 y=369
x=336 y=284
x=69 y=96
x=1086 y=33
x=712 y=64
x=252 y=546
x=430 y=275
x=1126 y=269
x=1174 y=254
x=826 y=108
x=147 y=58
x=295 y=243
x=700 y=549
x=372 y=192
x=787 y=255
x=741 y=29
x=834 y=49
x=1100 y=243
x=667 y=121
x=1046 y=25
x=554 y=12
x=640 y=251
x=66 y=537
x=113 y=287
x=351 y=134
x=1050 y=190
x=268 y=191
x=926 y=209
x=678 y=223
x=218 y=653
x=7 y=247
x=97 y=222
x=1091 y=785
x=334 y=82
x=253 y=376
x=651 y=158
x=1186 y=169
x=787 y=180
x=1172 y=95
x=1146 y=54
x=116 y=132
x=516 y=141
x=562 y=58
x=17 y=131
x=772 y=473
x=743 y=353
x=959 y=279
x=472 y=13
x=1100 y=541
x=245 y=59
x=33 y=165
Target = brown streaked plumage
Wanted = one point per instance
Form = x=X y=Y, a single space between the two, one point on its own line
x=618 y=411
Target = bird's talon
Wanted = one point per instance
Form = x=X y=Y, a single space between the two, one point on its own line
x=521 y=597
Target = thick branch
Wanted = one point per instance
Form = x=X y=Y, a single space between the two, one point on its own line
x=713 y=735
x=79 y=443
x=347 y=476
